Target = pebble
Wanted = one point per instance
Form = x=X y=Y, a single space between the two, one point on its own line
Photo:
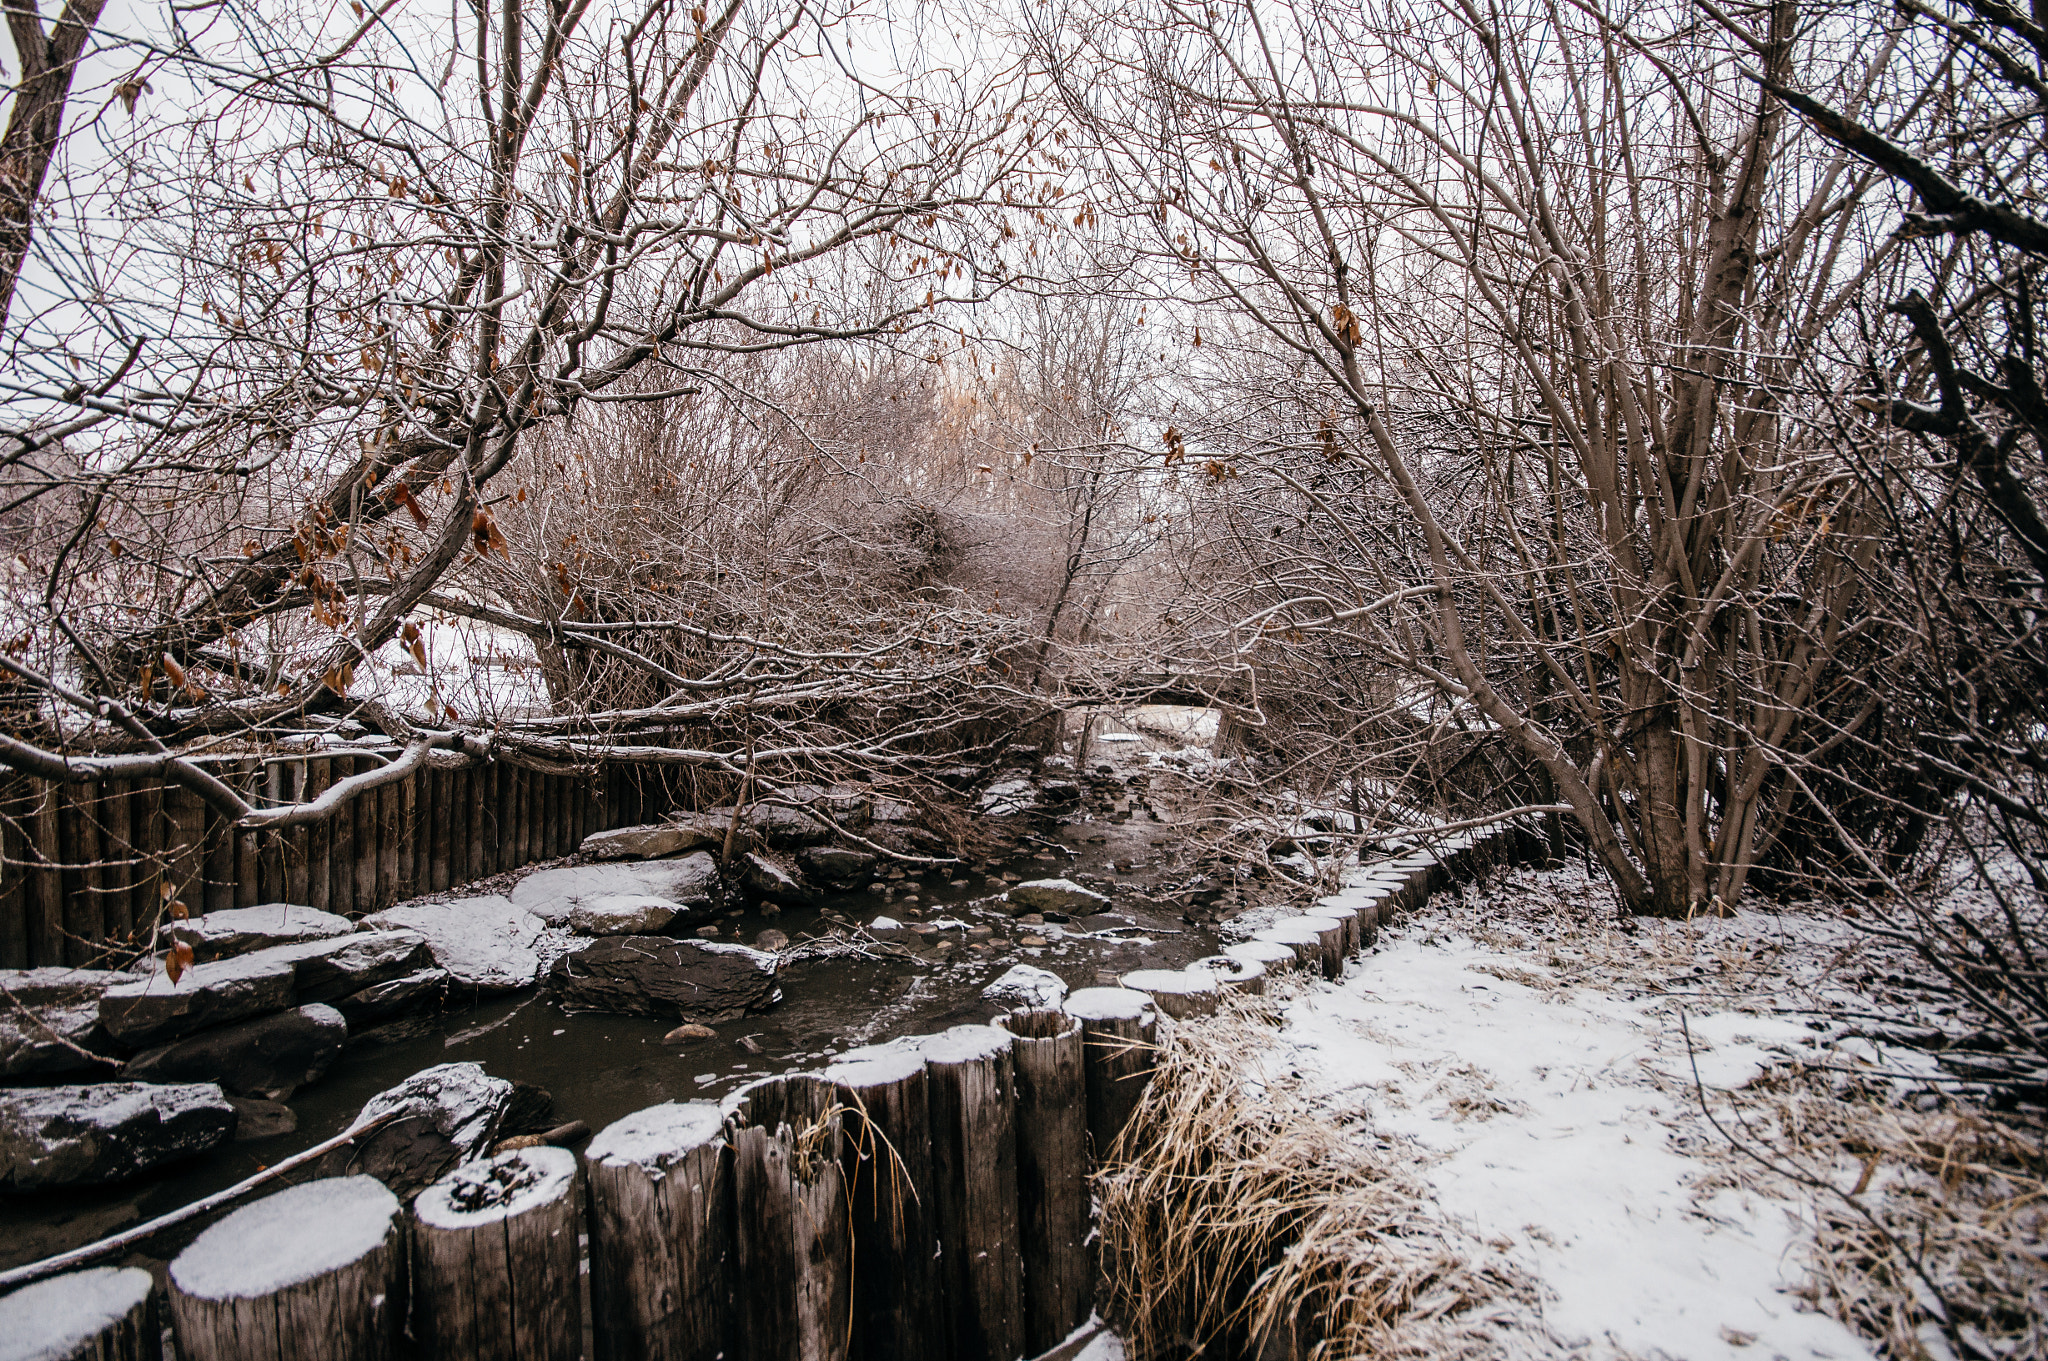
x=707 y=931
x=1032 y=940
x=1031 y=918
x=944 y=947
x=980 y=932
x=925 y=929
x=878 y=887
x=771 y=939
x=958 y=883
x=770 y=910
x=690 y=1030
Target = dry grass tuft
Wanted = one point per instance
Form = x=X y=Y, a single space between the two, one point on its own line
x=1235 y=1213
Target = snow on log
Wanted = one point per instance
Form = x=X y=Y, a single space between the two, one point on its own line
x=661 y=1234
x=495 y=1260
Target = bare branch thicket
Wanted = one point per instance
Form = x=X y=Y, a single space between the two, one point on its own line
x=309 y=320
x=1508 y=313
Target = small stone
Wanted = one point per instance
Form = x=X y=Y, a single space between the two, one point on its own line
x=689 y=1031
x=980 y=932
x=1032 y=941
x=258 y=1118
x=956 y=883
x=771 y=939
x=944 y=947
x=517 y=1142
x=925 y=929
x=1031 y=919
x=1012 y=877
x=769 y=910
x=707 y=931
x=878 y=887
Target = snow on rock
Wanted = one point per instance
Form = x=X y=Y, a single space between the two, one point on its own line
x=657 y=1138
x=622 y=914
x=393 y=997
x=330 y=970
x=685 y=980
x=1552 y=1121
x=552 y=895
x=109 y=1131
x=153 y=1009
x=503 y=1187
x=284 y=1239
x=54 y=1320
x=484 y=943
x=1056 y=895
x=34 y=1003
x=638 y=843
x=237 y=931
x=1027 y=988
x=443 y=1115
x=1013 y=792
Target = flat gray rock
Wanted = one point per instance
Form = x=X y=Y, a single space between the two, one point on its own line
x=48 y=1015
x=486 y=944
x=153 y=1009
x=690 y=882
x=775 y=879
x=271 y=1056
x=1012 y=792
x=636 y=843
x=1056 y=895
x=836 y=865
x=774 y=825
x=381 y=1002
x=442 y=1116
x=238 y=931
x=685 y=980
x=329 y=970
x=105 y=1132
x=622 y=914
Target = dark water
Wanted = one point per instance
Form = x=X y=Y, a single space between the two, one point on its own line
x=600 y=1068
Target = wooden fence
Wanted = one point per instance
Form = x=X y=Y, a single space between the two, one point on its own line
x=84 y=871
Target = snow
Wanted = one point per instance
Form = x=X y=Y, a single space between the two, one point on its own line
x=622 y=914
x=553 y=894
x=284 y=1239
x=1177 y=982
x=656 y=1138
x=885 y=924
x=1552 y=1120
x=878 y=1064
x=485 y=943
x=1109 y=1004
x=965 y=1044
x=503 y=1187
x=1269 y=954
x=1056 y=895
x=1026 y=987
x=52 y=1320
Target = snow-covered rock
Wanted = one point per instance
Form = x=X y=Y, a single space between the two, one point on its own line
x=774 y=825
x=238 y=931
x=63 y=1317
x=775 y=879
x=1027 y=988
x=485 y=944
x=1012 y=792
x=622 y=914
x=153 y=1009
x=691 y=882
x=688 y=980
x=108 y=1131
x=445 y=1115
x=296 y=1235
x=36 y=1002
x=331 y=970
x=650 y=842
x=269 y=1056
x=1056 y=895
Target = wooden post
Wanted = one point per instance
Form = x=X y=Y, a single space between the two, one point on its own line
x=479 y=780
x=974 y=1174
x=388 y=799
x=1179 y=993
x=495 y=1261
x=313 y=1273
x=85 y=921
x=14 y=853
x=319 y=840
x=117 y=847
x=793 y=1258
x=270 y=866
x=1117 y=1029
x=369 y=851
x=103 y=1313
x=216 y=888
x=887 y=1137
x=660 y=1191
x=410 y=791
x=1052 y=1174
x=437 y=829
x=1233 y=973
x=248 y=874
x=1269 y=956
x=151 y=819
x=46 y=882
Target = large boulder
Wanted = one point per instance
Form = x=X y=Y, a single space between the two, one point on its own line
x=691 y=883
x=238 y=931
x=154 y=1008
x=636 y=843
x=843 y=805
x=836 y=865
x=438 y=1117
x=686 y=980
x=1056 y=895
x=622 y=914
x=270 y=1056
x=774 y=879
x=706 y=831
x=381 y=1002
x=109 y=1131
x=486 y=944
x=48 y=1016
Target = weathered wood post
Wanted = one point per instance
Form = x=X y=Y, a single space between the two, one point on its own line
x=101 y=1314
x=660 y=1195
x=1178 y=993
x=974 y=1167
x=1052 y=1174
x=1296 y=934
x=1233 y=973
x=888 y=1160
x=313 y=1273
x=793 y=1252
x=1271 y=957
x=1117 y=1030
x=495 y=1260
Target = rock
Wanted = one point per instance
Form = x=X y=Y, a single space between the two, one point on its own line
x=836 y=865
x=958 y=777
x=622 y=914
x=893 y=810
x=269 y=1056
x=445 y=1115
x=637 y=843
x=1058 y=793
x=843 y=805
x=1032 y=941
x=1027 y=989
x=260 y=1118
x=237 y=931
x=153 y=1009
x=771 y=939
x=690 y=882
x=1013 y=792
x=780 y=827
x=381 y=1002
x=689 y=1031
x=485 y=944
x=708 y=932
x=689 y=980
x=706 y=831
x=328 y=970
x=110 y=1131
x=1031 y=919
x=1055 y=895
x=770 y=877
x=36 y=1002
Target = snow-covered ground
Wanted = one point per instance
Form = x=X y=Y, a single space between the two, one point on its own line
x=1530 y=1054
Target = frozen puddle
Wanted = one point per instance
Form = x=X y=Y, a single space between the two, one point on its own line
x=1549 y=1114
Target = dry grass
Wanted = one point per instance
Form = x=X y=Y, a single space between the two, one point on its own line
x=1235 y=1211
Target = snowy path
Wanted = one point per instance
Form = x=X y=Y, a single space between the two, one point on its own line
x=1555 y=1120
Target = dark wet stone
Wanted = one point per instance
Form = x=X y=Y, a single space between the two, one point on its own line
x=48 y=1015
x=686 y=980
x=105 y=1132
x=270 y=1056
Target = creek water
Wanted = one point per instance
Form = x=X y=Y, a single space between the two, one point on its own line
x=601 y=1067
